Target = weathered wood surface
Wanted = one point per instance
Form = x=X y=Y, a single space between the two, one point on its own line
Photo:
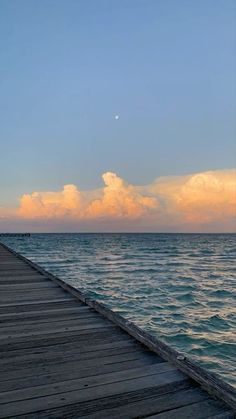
x=63 y=355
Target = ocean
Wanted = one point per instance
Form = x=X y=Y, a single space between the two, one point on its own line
x=179 y=287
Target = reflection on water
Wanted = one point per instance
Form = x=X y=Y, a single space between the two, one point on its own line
x=180 y=287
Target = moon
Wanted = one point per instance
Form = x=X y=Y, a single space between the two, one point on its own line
x=117 y=117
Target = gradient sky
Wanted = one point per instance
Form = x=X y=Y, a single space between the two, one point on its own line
x=166 y=67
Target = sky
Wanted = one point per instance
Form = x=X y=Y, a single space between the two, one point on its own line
x=166 y=68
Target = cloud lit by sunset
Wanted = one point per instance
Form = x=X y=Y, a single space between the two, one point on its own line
x=200 y=199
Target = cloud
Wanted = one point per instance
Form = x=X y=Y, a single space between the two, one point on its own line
x=116 y=199
x=120 y=200
x=200 y=197
x=51 y=204
x=203 y=201
x=208 y=196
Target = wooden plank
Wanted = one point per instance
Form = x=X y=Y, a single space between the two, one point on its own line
x=79 y=339
x=28 y=362
x=146 y=407
x=32 y=292
x=27 y=307
x=62 y=350
x=60 y=338
x=201 y=410
x=25 y=282
x=16 y=270
x=88 y=327
x=57 y=315
x=27 y=319
x=11 y=264
x=5 y=252
x=27 y=287
x=21 y=325
x=166 y=380
x=33 y=298
x=77 y=362
x=57 y=331
x=9 y=260
x=72 y=373
x=43 y=300
x=76 y=410
x=53 y=325
x=81 y=383
x=19 y=273
x=27 y=275
x=28 y=295
x=67 y=357
x=29 y=279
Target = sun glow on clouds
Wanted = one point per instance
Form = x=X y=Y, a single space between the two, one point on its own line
x=171 y=202
x=51 y=204
x=117 y=199
x=201 y=197
x=120 y=200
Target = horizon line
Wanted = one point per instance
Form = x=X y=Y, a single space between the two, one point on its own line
x=117 y=232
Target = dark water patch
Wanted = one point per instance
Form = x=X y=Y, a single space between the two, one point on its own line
x=185 y=297
x=221 y=293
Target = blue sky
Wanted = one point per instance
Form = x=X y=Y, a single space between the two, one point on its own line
x=68 y=67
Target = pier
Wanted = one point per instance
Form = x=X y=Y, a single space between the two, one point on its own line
x=14 y=234
x=63 y=356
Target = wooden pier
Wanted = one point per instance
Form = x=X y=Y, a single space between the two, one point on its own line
x=14 y=234
x=65 y=356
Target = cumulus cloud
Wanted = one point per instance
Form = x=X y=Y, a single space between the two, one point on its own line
x=200 y=197
x=206 y=199
x=116 y=199
x=120 y=200
x=51 y=204
x=207 y=196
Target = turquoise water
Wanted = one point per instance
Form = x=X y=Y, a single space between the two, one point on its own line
x=179 y=287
